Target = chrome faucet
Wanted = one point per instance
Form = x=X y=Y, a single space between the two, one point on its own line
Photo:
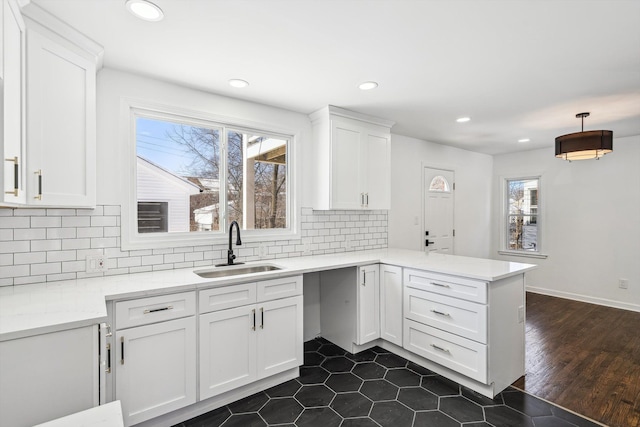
x=230 y=255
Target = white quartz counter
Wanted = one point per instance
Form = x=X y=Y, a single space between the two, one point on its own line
x=27 y=310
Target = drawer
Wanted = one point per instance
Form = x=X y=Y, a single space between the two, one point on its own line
x=154 y=309
x=460 y=317
x=227 y=297
x=459 y=354
x=279 y=288
x=453 y=286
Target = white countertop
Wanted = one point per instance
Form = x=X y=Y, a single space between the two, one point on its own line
x=27 y=310
x=106 y=415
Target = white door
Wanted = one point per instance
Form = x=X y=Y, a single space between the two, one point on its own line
x=227 y=349
x=279 y=335
x=155 y=369
x=438 y=210
x=368 y=294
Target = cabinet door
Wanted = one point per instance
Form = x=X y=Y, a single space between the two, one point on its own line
x=60 y=114
x=346 y=185
x=12 y=181
x=48 y=376
x=391 y=304
x=155 y=369
x=368 y=296
x=377 y=168
x=227 y=349
x=279 y=336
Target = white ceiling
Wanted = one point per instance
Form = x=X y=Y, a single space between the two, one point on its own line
x=519 y=68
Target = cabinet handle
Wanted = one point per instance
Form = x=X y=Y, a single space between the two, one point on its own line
x=108 y=370
x=261 y=317
x=154 y=310
x=39 y=195
x=361 y=200
x=364 y=278
x=441 y=313
x=367 y=199
x=122 y=350
x=442 y=285
x=253 y=328
x=15 y=176
x=444 y=350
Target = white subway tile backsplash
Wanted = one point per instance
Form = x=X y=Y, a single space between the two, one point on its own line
x=46 y=268
x=14 y=246
x=30 y=233
x=76 y=221
x=29 y=258
x=15 y=222
x=45 y=221
x=38 y=245
x=76 y=244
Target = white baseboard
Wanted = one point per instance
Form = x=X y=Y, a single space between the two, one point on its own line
x=585 y=298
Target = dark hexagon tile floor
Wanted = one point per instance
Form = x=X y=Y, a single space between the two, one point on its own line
x=376 y=388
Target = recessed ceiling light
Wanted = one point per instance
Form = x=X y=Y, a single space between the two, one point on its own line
x=144 y=9
x=238 y=83
x=368 y=85
x=524 y=140
x=463 y=119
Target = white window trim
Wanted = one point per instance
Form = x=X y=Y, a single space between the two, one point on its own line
x=132 y=240
x=504 y=205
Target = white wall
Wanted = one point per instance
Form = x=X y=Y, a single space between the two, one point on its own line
x=590 y=223
x=113 y=148
x=473 y=176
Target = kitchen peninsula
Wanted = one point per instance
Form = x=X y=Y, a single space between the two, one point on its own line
x=459 y=316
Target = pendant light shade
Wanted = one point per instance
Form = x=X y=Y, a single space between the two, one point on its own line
x=584 y=145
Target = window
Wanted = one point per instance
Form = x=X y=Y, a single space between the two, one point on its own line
x=439 y=184
x=521 y=215
x=195 y=176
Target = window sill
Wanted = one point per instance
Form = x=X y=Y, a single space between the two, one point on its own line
x=524 y=254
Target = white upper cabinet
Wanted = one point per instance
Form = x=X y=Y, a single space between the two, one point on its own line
x=12 y=178
x=49 y=111
x=351 y=156
x=61 y=129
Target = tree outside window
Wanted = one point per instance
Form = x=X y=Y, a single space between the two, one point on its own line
x=212 y=175
x=522 y=214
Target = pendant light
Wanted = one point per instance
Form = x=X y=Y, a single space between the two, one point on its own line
x=583 y=145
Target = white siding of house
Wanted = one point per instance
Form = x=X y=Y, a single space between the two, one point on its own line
x=158 y=185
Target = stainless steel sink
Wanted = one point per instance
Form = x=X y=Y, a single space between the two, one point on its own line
x=234 y=271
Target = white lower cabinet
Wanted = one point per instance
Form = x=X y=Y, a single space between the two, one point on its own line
x=48 y=376
x=472 y=328
x=368 y=302
x=391 y=303
x=243 y=344
x=155 y=363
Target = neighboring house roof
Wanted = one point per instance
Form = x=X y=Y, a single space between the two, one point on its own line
x=170 y=177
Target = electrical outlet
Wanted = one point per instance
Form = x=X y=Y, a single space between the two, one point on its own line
x=347 y=241
x=307 y=249
x=96 y=263
x=623 y=283
x=521 y=314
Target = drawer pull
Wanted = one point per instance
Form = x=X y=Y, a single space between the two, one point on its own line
x=441 y=313
x=442 y=285
x=154 y=310
x=444 y=350
x=122 y=350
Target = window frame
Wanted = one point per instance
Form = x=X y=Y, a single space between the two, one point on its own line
x=131 y=239
x=505 y=215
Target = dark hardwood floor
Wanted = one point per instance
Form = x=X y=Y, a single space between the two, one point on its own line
x=584 y=357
